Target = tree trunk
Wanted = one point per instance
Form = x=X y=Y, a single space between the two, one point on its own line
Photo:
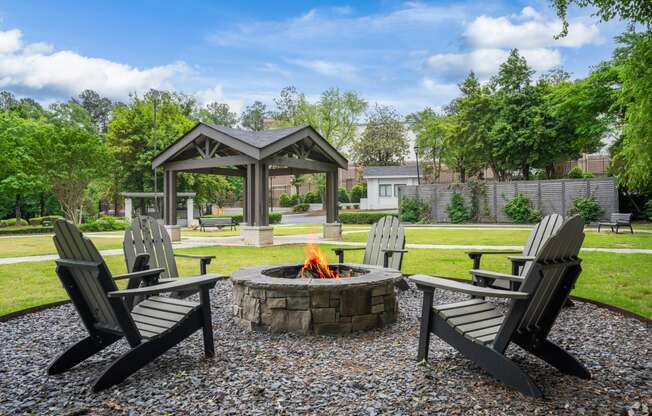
x=41 y=204
x=462 y=175
x=525 y=171
x=18 y=213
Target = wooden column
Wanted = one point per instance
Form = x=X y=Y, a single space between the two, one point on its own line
x=170 y=197
x=332 y=205
x=250 y=190
x=244 y=200
x=261 y=215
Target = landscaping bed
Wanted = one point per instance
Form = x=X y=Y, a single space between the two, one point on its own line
x=367 y=373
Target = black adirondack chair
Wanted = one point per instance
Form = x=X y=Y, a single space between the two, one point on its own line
x=385 y=245
x=482 y=333
x=541 y=232
x=153 y=326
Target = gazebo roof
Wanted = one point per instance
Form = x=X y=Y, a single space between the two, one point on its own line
x=221 y=146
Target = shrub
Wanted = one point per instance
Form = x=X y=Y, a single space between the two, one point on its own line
x=12 y=221
x=414 y=210
x=575 y=173
x=587 y=208
x=648 y=209
x=284 y=200
x=274 y=217
x=520 y=210
x=28 y=229
x=311 y=198
x=48 y=218
x=588 y=175
x=361 y=217
x=458 y=212
x=294 y=199
x=356 y=193
x=106 y=223
x=300 y=208
x=342 y=196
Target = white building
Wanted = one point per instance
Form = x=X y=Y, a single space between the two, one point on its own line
x=383 y=183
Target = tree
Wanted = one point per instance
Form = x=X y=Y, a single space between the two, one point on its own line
x=383 y=142
x=289 y=107
x=72 y=113
x=430 y=137
x=634 y=11
x=253 y=117
x=99 y=108
x=217 y=113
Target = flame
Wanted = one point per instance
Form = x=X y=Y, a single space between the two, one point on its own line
x=316 y=263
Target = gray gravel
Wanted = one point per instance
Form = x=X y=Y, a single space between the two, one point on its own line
x=369 y=373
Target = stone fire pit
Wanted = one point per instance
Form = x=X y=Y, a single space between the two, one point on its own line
x=275 y=298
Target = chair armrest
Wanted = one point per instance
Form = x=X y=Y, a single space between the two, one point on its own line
x=392 y=250
x=340 y=252
x=521 y=259
x=424 y=282
x=473 y=254
x=388 y=253
x=140 y=274
x=194 y=256
x=486 y=274
x=177 y=285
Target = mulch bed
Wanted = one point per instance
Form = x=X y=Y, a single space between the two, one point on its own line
x=367 y=373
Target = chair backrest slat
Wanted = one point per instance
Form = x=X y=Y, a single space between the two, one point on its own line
x=387 y=233
x=548 y=226
x=548 y=280
x=72 y=245
x=146 y=235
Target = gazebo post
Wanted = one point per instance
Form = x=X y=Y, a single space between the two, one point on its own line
x=170 y=205
x=332 y=227
x=257 y=231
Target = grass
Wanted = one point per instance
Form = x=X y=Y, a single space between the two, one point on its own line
x=619 y=279
x=36 y=245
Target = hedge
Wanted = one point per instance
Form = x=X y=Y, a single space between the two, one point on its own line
x=39 y=220
x=12 y=221
x=274 y=217
x=26 y=229
x=362 y=217
x=106 y=223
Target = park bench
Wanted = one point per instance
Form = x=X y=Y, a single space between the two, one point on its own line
x=150 y=328
x=218 y=223
x=618 y=220
x=481 y=332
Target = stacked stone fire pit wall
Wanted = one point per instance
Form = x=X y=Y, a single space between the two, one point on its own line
x=314 y=306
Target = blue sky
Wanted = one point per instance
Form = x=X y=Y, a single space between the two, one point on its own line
x=406 y=54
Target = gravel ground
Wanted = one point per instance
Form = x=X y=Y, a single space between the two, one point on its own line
x=368 y=373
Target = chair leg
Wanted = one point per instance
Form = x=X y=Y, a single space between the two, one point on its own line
x=82 y=350
x=631 y=230
x=207 y=323
x=424 y=334
x=560 y=359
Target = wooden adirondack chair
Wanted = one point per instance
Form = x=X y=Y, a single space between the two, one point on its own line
x=385 y=245
x=482 y=334
x=549 y=225
x=151 y=328
x=148 y=236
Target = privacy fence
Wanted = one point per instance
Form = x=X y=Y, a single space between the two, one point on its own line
x=549 y=196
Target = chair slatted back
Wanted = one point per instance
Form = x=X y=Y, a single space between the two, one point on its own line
x=387 y=233
x=548 y=226
x=549 y=282
x=620 y=218
x=91 y=284
x=146 y=235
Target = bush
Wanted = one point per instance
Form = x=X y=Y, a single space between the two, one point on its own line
x=587 y=208
x=588 y=175
x=648 y=209
x=300 y=208
x=458 y=213
x=274 y=217
x=284 y=200
x=361 y=217
x=48 y=218
x=342 y=196
x=520 y=210
x=106 y=223
x=356 y=193
x=26 y=229
x=12 y=221
x=414 y=210
x=575 y=173
x=311 y=198
x=294 y=199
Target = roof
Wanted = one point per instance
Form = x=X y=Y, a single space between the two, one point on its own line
x=390 y=171
x=258 y=139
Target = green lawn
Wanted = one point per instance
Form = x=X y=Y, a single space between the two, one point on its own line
x=619 y=279
x=36 y=245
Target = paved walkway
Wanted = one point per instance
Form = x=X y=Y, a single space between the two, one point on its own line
x=193 y=242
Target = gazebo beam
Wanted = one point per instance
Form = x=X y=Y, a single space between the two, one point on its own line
x=291 y=171
x=215 y=162
x=313 y=165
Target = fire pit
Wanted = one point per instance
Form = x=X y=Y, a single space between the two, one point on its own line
x=314 y=297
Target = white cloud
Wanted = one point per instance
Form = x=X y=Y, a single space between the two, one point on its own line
x=331 y=69
x=38 y=67
x=216 y=94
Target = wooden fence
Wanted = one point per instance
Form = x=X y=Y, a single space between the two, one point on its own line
x=549 y=196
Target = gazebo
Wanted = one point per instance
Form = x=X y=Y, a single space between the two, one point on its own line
x=255 y=156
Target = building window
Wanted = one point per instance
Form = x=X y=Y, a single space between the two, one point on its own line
x=385 y=190
x=396 y=188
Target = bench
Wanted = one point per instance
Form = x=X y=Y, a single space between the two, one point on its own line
x=219 y=223
x=618 y=220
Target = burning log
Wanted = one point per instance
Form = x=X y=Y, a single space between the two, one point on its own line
x=316 y=266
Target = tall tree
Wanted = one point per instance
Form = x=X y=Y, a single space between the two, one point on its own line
x=253 y=117
x=384 y=140
x=217 y=113
x=430 y=137
x=634 y=11
x=99 y=108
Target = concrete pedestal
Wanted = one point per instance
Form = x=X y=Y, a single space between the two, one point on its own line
x=258 y=236
x=174 y=231
x=333 y=231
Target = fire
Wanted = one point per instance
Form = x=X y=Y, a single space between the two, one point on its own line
x=316 y=264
